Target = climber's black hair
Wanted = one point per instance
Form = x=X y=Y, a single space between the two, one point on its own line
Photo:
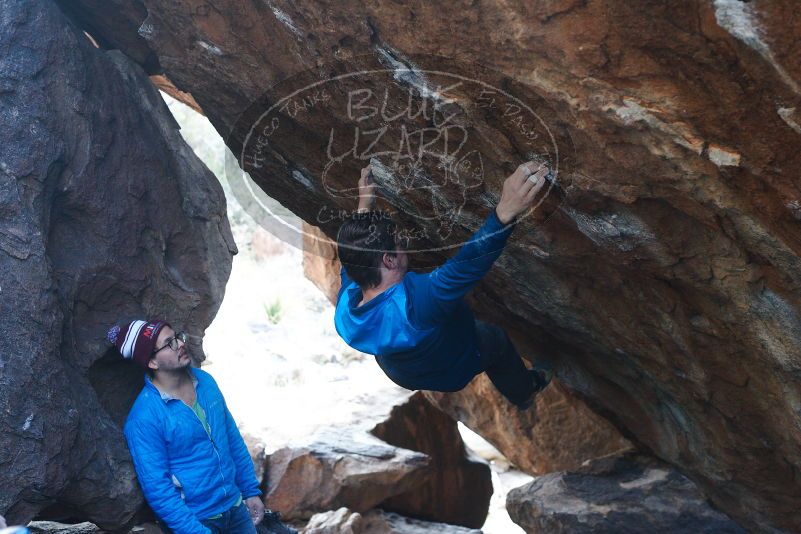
x=362 y=241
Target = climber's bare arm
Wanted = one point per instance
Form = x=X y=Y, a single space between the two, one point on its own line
x=366 y=190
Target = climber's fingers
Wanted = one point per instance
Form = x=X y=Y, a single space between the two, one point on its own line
x=534 y=181
x=366 y=176
x=523 y=171
x=537 y=181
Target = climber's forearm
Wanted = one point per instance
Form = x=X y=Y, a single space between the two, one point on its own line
x=366 y=191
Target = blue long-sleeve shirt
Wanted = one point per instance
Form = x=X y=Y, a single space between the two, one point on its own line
x=188 y=473
x=420 y=330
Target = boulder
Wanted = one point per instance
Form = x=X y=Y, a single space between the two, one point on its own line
x=146 y=528
x=560 y=431
x=165 y=86
x=105 y=215
x=458 y=487
x=52 y=527
x=399 y=453
x=336 y=470
x=616 y=494
x=320 y=261
x=257 y=450
x=344 y=521
x=664 y=276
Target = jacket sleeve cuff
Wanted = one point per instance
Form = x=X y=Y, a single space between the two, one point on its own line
x=255 y=492
x=493 y=224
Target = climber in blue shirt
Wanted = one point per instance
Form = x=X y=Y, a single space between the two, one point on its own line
x=417 y=325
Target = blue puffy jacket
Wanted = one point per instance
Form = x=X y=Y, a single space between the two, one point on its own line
x=421 y=331
x=185 y=473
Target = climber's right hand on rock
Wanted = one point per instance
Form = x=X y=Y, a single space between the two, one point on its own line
x=520 y=189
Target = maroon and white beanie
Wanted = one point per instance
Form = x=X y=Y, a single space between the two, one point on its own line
x=137 y=339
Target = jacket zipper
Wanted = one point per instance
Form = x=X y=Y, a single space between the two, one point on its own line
x=213 y=445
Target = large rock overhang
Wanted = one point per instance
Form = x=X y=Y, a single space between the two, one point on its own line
x=667 y=278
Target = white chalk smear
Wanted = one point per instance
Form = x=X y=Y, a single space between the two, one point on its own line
x=737 y=18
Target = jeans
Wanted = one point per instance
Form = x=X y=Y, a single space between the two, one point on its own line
x=235 y=520
x=503 y=365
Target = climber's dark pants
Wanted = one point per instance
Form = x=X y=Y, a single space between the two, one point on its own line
x=502 y=363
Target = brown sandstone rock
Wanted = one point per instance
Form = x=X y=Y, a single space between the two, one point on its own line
x=320 y=263
x=667 y=281
x=258 y=455
x=613 y=495
x=344 y=521
x=165 y=85
x=402 y=454
x=336 y=470
x=105 y=215
x=459 y=486
x=559 y=430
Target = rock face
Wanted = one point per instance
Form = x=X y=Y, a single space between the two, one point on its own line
x=403 y=456
x=344 y=521
x=105 y=215
x=334 y=471
x=258 y=454
x=320 y=263
x=666 y=280
x=616 y=494
x=559 y=430
x=459 y=488
x=50 y=527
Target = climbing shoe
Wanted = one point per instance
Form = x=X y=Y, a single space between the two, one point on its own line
x=541 y=376
x=273 y=524
x=542 y=373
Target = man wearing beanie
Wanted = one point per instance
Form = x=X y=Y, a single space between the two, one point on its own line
x=191 y=461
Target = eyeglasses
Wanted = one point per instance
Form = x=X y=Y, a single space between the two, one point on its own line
x=172 y=342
